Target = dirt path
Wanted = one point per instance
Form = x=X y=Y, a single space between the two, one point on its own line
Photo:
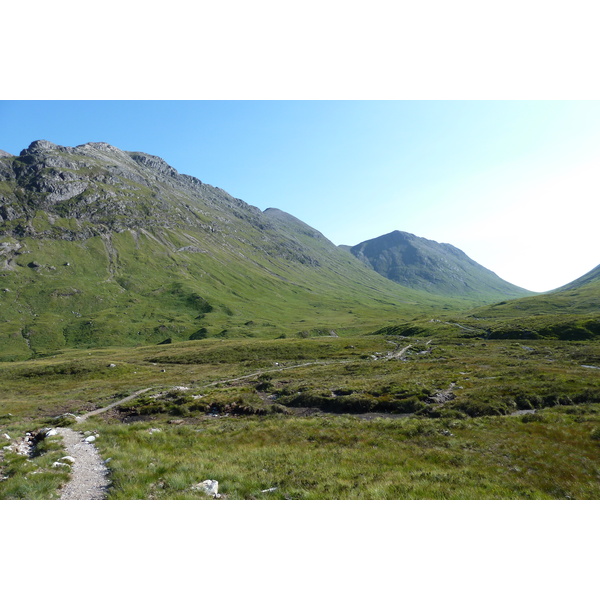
x=106 y=408
x=398 y=353
x=89 y=475
x=265 y=371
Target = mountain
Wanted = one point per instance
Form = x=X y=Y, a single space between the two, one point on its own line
x=437 y=268
x=99 y=246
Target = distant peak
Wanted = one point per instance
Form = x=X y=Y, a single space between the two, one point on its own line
x=40 y=146
x=3 y=153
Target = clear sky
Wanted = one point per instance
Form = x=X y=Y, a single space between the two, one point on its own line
x=514 y=184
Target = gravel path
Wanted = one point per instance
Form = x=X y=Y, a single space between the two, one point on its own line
x=106 y=408
x=89 y=475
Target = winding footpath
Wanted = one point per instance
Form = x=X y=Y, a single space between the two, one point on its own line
x=89 y=474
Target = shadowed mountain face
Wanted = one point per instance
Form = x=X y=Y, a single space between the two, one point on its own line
x=436 y=268
x=99 y=246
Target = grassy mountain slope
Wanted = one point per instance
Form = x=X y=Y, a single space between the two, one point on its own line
x=436 y=268
x=104 y=247
x=570 y=313
x=592 y=277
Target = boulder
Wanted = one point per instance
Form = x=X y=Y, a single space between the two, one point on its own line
x=209 y=486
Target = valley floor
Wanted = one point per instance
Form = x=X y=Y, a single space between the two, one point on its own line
x=371 y=417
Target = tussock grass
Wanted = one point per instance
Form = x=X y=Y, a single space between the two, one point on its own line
x=31 y=478
x=261 y=414
x=349 y=458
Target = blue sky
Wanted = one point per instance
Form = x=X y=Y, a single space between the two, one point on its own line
x=514 y=184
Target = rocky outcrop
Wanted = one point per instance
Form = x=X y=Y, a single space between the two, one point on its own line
x=101 y=189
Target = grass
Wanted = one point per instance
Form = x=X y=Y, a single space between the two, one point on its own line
x=290 y=414
x=30 y=478
x=348 y=458
x=275 y=359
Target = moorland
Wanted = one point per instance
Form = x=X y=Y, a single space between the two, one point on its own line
x=274 y=362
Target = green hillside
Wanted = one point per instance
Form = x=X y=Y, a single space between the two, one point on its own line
x=592 y=277
x=104 y=247
x=570 y=313
x=426 y=265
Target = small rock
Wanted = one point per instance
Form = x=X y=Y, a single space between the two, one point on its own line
x=57 y=465
x=268 y=490
x=69 y=459
x=6 y=436
x=209 y=486
x=90 y=439
x=108 y=460
x=51 y=432
x=112 y=365
x=151 y=431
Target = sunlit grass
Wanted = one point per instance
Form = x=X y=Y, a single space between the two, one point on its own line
x=348 y=458
x=266 y=443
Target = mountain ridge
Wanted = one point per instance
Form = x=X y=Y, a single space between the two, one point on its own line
x=100 y=246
